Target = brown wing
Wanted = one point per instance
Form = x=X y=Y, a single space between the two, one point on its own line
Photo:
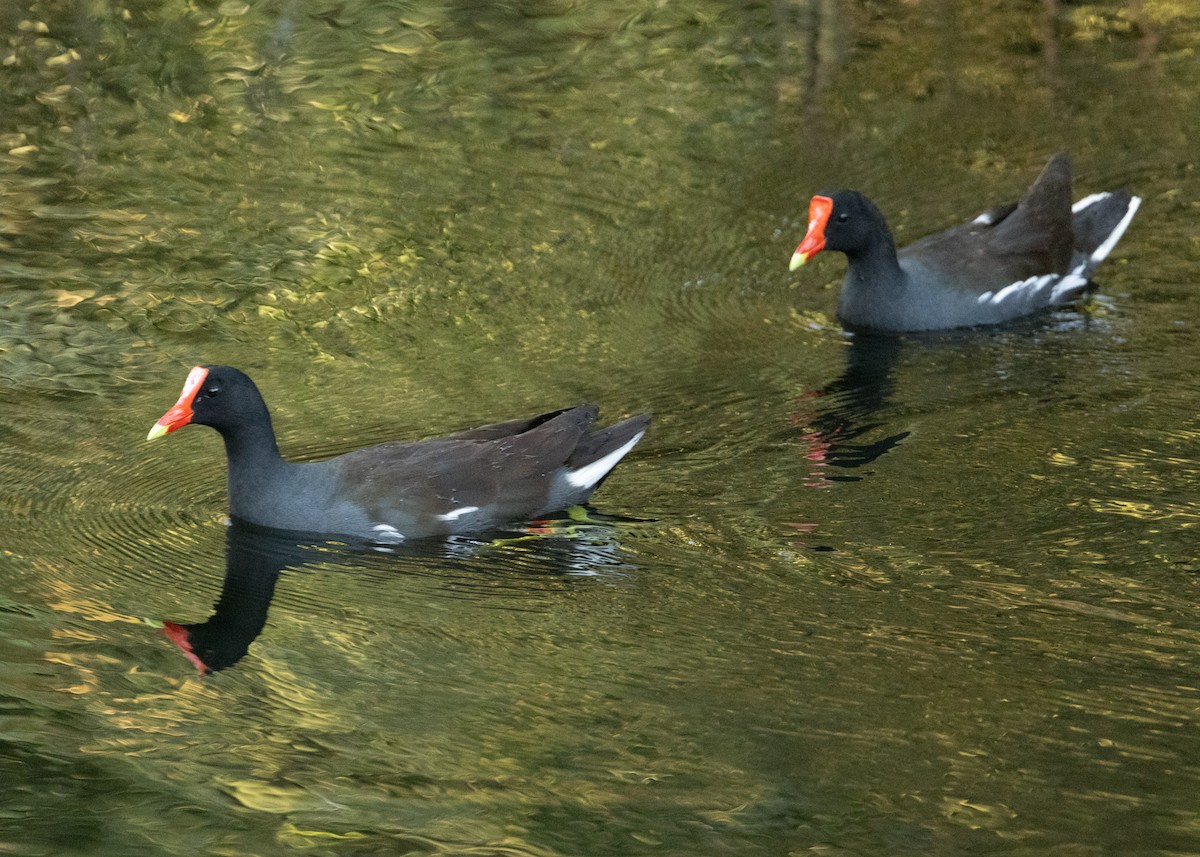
x=495 y=431
x=1006 y=244
x=1040 y=226
x=504 y=474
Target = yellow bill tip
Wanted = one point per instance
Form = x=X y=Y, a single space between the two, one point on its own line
x=157 y=431
x=798 y=259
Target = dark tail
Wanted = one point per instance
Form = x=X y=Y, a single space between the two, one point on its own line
x=598 y=453
x=1099 y=222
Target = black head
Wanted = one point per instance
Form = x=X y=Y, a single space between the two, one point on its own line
x=218 y=396
x=845 y=221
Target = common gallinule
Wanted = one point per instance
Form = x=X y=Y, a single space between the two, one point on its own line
x=1010 y=261
x=470 y=481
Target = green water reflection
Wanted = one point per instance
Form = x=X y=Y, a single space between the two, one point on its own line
x=406 y=218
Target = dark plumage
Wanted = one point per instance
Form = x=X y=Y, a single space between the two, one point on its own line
x=1010 y=261
x=470 y=481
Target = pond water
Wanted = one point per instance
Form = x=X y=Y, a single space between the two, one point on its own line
x=851 y=596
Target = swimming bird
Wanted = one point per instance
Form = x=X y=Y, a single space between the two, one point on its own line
x=1009 y=261
x=466 y=482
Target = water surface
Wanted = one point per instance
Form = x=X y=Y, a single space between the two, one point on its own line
x=928 y=595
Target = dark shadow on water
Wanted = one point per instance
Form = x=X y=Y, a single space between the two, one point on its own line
x=840 y=433
x=846 y=424
x=582 y=543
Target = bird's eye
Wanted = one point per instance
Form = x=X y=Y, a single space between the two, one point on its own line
x=209 y=392
x=843 y=218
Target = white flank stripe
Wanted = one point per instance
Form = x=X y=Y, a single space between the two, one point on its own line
x=590 y=474
x=1089 y=200
x=1021 y=288
x=984 y=219
x=1004 y=293
x=388 y=533
x=1047 y=280
x=1070 y=284
x=1104 y=249
x=455 y=514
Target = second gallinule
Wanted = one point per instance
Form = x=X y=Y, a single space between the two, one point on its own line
x=470 y=481
x=1010 y=261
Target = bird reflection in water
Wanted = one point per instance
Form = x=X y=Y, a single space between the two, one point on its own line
x=848 y=411
x=254 y=559
x=582 y=543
